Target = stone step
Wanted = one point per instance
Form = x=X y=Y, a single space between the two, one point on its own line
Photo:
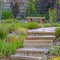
x=32 y=51
x=22 y=57
x=40 y=37
x=40 y=33
x=39 y=41
x=37 y=45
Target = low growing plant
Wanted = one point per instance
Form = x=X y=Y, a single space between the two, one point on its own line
x=33 y=25
x=7 y=14
x=57 y=32
x=3 y=34
x=56 y=58
x=9 y=21
x=55 y=50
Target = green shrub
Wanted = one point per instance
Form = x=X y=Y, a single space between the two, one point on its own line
x=8 y=48
x=55 y=50
x=10 y=28
x=55 y=24
x=33 y=25
x=9 y=21
x=57 y=32
x=7 y=14
x=3 y=34
x=25 y=25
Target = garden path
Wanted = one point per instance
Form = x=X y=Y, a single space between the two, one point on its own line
x=36 y=45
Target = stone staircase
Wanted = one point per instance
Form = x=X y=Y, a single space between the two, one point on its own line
x=36 y=46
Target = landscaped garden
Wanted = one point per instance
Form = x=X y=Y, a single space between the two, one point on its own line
x=14 y=28
x=13 y=33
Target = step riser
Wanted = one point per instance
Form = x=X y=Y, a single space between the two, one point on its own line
x=37 y=54
x=38 y=41
x=41 y=33
x=37 y=45
x=39 y=38
x=25 y=58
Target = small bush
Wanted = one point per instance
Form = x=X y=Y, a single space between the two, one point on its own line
x=55 y=24
x=57 y=32
x=33 y=25
x=7 y=14
x=3 y=34
x=9 y=21
x=10 y=28
x=55 y=50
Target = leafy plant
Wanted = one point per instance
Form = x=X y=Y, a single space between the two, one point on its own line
x=3 y=34
x=7 y=14
x=9 y=21
x=31 y=8
x=52 y=15
x=57 y=32
x=58 y=39
x=33 y=25
x=10 y=28
x=9 y=39
x=55 y=50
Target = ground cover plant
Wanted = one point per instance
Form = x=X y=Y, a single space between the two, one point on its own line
x=57 y=31
x=55 y=50
x=12 y=34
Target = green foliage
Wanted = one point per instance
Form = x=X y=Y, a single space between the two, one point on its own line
x=25 y=25
x=49 y=25
x=52 y=15
x=58 y=2
x=7 y=14
x=55 y=50
x=55 y=58
x=58 y=39
x=3 y=34
x=10 y=28
x=57 y=32
x=9 y=21
x=6 y=28
x=55 y=24
x=31 y=8
x=33 y=25
x=6 y=49
x=10 y=40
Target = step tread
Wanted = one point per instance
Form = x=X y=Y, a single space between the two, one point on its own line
x=42 y=36
x=46 y=29
x=33 y=50
x=18 y=56
x=39 y=32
